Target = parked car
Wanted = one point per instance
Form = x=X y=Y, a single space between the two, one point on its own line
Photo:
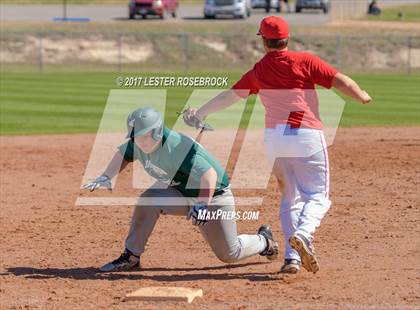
x=261 y=4
x=152 y=7
x=324 y=5
x=235 y=8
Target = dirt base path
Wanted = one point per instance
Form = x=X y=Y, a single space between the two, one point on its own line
x=368 y=244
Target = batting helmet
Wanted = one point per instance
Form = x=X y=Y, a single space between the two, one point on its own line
x=143 y=120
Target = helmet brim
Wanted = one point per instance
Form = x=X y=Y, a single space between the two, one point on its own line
x=142 y=132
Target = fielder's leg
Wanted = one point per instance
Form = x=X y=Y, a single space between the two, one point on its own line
x=312 y=175
x=291 y=205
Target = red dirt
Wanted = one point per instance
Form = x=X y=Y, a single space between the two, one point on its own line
x=368 y=244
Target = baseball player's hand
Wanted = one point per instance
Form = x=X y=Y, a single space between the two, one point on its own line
x=192 y=119
x=198 y=210
x=365 y=98
x=102 y=181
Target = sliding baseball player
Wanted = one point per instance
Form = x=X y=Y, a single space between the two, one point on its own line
x=189 y=182
x=285 y=81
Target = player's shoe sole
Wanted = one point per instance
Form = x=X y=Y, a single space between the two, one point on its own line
x=307 y=255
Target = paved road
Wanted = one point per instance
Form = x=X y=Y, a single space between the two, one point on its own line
x=120 y=12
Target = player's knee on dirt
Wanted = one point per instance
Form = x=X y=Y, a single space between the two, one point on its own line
x=227 y=259
x=228 y=256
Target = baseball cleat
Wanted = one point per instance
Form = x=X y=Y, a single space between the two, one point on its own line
x=272 y=249
x=306 y=252
x=126 y=262
x=290 y=266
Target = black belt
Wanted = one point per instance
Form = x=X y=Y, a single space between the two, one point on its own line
x=221 y=191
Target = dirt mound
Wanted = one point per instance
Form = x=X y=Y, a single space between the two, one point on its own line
x=353 y=52
x=367 y=244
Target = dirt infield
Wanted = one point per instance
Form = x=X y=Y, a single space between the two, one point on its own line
x=368 y=245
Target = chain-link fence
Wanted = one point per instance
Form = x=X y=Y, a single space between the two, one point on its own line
x=348 y=9
x=140 y=52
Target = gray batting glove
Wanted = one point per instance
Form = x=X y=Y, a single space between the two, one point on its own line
x=198 y=214
x=102 y=181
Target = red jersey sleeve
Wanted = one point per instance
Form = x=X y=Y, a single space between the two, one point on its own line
x=249 y=82
x=321 y=72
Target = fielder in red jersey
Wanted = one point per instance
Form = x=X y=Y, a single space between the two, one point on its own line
x=286 y=81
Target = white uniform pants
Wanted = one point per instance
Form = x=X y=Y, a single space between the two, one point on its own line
x=300 y=159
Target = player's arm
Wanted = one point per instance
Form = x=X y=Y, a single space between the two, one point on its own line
x=194 y=117
x=207 y=185
x=117 y=164
x=240 y=90
x=218 y=103
x=350 y=88
x=325 y=75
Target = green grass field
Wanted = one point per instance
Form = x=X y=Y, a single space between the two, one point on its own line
x=33 y=103
x=410 y=13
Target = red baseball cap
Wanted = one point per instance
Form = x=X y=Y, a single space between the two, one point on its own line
x=274 y=27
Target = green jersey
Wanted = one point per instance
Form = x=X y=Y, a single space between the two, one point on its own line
x=180 y=162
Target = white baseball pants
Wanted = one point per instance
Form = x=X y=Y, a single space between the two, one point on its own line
x=299 y=158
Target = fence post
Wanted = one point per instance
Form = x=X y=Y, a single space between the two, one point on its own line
x=409 y=56
x=338 y=51
x=40 y=54
x=186 y=52
x=119 y=52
